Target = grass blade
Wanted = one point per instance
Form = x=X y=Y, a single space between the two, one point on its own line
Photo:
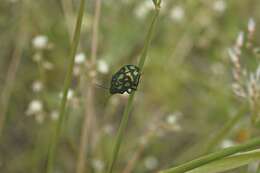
x=225 y=130
x=214 y=156
x=58 y=125
x=129 y=105
x=229 y=163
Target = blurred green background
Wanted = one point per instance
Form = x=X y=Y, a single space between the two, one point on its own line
x=184 y=97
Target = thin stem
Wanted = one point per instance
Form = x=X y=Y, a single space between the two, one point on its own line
x=85 y=131
x=58 y=125
x=135 y=158
x=214 y=156
x=225 y=130
x=12 y=70
x=148 y=39
x=146 y=139
x=229 y=163
x=69 y=15
x=121 y=131
x=124 y=121
x=8 y=88
x=94 y=44
x=89 y=118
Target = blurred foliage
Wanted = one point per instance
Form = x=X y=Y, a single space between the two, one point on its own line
x=187 y=76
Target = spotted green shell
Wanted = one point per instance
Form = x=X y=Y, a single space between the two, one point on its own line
x=125 y=80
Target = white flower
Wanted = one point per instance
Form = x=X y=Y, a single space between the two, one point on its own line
x=227 y=143
x=177 y=13
x=143 y=8
x=238 y=90
x=69 y=95
x=55 y=114
x=171 y=119
x=151 y=162
x=98 y=165
x=102 y=66
x=251 y=25
x=35 y=107
x=40 y=42
x=233 y=56
x=251 y=86
x=219 y=6
x=80 y=58
x=37 y=86
x=240 y=39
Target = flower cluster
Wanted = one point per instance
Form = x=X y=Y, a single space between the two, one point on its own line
x=246 y=83
x=38 y=105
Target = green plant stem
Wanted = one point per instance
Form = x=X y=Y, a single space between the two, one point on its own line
x=11 y=74
x=120 y=133
x=214 y=156
x=89 y=120
x=228 y=163
x=129 y=105
x=58 y=125
x=225 y=130
x=148 y=40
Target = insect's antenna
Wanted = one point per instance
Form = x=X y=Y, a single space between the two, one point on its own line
x=101 y=86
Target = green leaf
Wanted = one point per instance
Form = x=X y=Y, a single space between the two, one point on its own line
x=228 y=163
x=210 y=158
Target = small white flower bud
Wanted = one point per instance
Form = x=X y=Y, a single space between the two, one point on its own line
x=227 y=143
x=80 y=58
x=219 y=6
x=251 y=25
x=177 y=13
x=240 y=39
x=69 y=95
x=233 y=56
x=40 y=42
x=143 y=8
x=37 y=86
x=54 y=114
x=35 y=106
x=151 y=162
x=102 y=66
x=98 y=165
